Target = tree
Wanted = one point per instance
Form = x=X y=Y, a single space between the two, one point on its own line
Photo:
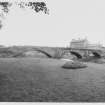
x=1 y=25
x=36 y=6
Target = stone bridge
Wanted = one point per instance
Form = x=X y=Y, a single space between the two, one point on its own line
x=79 y=53
x=52 y=51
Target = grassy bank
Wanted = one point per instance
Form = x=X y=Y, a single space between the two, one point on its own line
x=43 y=80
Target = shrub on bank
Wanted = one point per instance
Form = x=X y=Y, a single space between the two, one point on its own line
x=94 y=60
x=74 y=65
x=99 y=61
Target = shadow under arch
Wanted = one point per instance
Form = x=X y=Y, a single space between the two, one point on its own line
x=76 y=54
x=97 y=55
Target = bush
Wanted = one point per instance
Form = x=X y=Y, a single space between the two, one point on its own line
x=8 y=53
x=99 y=61
x=74 y=65
x=94 y=60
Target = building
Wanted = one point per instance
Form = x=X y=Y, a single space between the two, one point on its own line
x=83 y=43
x=95 y=46
x=79 y=43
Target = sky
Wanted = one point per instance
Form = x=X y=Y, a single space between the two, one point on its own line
x=68 y=19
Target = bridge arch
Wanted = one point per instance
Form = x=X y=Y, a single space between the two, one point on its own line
x=27 y=53
x=44 y=52
x=76 y=54
x=96 y=54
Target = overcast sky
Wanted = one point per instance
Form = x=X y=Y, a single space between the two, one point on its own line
x=68 y=19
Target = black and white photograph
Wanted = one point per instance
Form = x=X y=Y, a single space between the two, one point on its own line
x=52 y=51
